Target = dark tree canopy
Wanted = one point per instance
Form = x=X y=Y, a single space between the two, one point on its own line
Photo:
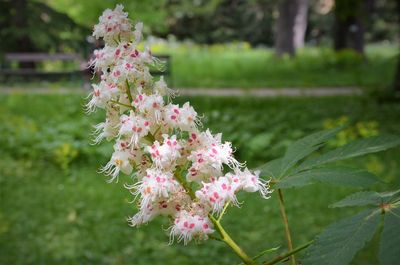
x=30 y=26
x=55 y=25
x=223 y=21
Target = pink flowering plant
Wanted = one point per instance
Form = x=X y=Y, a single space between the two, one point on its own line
x=181 y=171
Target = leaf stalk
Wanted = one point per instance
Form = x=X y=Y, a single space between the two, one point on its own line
x=290 y=253
x=286 y=224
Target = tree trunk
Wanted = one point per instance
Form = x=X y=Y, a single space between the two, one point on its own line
x=24 y=43
x=396 y=84
x=397 y=76
x=350 y=17
x=340 y=34
x=300 y=24
x=285 y=27
x=291 y=26
x=349 y=34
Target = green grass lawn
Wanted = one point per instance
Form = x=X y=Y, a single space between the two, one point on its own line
x=55 y=208
x=236 y=66
x=239 y=66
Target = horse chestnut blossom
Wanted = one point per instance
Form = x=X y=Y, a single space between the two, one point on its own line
x=177 y=170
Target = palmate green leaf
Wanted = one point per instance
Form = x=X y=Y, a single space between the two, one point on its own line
x=338 y=244
x=297 y=151
x=305 y=146
x=271 y=169
x=341 y=176
x=367 y=198
x=390 y=196
x=389 y=249
x=353 y=149
x=359 y=199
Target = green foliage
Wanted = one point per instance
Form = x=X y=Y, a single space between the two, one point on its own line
x=57 y=140
x=334 y=175
x=368 y=198
x=212 y=21
x=342 y=240
x=304 y=147
x=361 y=129
x=348 y=58
x=347 y=9
x=295 y=152
x=360 y=199
x=217 y=21
x=338 y=244
x=290 y=171
x=353 y=149
x=389 y=250
x=64 y=155
x=32 y=26
x=150 y=12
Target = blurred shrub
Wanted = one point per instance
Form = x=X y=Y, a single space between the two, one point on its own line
x=361 y=129
x=64 y=154
x=60 y=141
x=348 y=58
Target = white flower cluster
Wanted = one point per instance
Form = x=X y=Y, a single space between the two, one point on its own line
x=159 y=143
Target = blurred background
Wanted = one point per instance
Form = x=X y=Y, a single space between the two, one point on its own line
x=263 y=72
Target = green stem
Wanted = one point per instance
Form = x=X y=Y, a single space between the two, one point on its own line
x=128 y=91
x=286 y=224
x=262 y=253
x=150 y=137
x=185 y=185
x=215 y=238
x=122 y=104
x=223 y=212
x=290 y=253
x=230 y=242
